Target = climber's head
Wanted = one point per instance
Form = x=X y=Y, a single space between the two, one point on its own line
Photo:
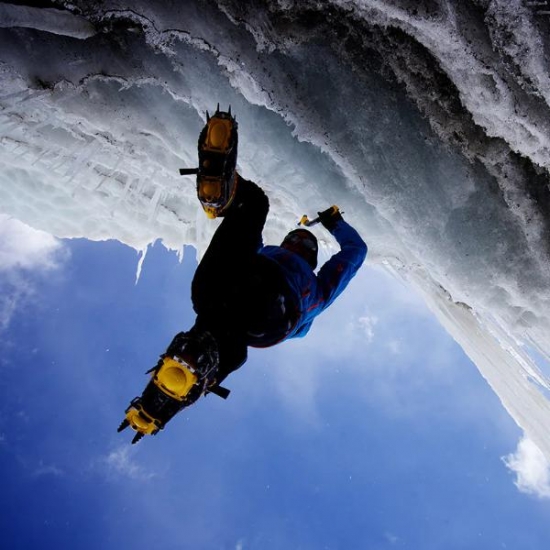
x=303 y=243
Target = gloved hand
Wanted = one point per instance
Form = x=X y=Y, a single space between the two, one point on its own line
x=330 y=217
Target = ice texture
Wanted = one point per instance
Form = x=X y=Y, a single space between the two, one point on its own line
x=45 y=19
x=427 y=123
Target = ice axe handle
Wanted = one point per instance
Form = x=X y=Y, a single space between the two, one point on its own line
x=304 y=220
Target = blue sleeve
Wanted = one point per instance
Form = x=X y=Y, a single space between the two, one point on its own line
x=335 y=274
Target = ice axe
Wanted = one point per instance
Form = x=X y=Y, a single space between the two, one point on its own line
x=304 y=220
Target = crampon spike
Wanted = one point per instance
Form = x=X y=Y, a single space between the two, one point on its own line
x=137 y=437
x=229 y=110
x=218 y=109
x=207 y=116
x=124 y=424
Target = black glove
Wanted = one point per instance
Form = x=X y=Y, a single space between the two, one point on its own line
x=330 y=217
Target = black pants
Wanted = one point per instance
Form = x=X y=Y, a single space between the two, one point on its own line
x=231 y=276
x=221 y=277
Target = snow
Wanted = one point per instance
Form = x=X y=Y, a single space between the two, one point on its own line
x=429 y=127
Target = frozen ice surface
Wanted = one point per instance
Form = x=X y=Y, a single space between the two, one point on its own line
x=45 y=19
x=428 y=123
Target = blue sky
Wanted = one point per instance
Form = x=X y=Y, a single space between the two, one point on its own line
x=375 y=431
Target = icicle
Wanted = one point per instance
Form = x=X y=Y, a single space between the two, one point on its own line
x=36 y=94
x=40 y=157
x=127 y=187
x=142 y=253
x=109 y=175
x=24 y=152
x=154 y=204
x=86 y=153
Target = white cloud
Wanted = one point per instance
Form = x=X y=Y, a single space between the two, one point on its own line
x=23 y=250
x=14 y=290
x=391 y=538
x=120 y=462
x=26 y=248
x=293 y=373
x=395 y=347
x=531 y=468
x=367 y=325
x=47 y=470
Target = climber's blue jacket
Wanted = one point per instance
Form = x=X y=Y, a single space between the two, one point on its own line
x=312 y=293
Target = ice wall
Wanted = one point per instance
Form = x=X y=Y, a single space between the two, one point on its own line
x=428 y=123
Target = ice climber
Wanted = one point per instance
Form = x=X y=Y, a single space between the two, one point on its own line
x=244 y=293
